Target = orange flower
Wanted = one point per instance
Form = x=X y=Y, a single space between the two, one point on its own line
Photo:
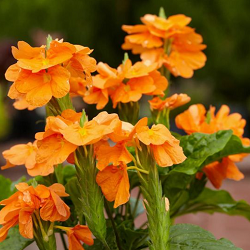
x=12 y=75
x=216 y=172
x=97 y=96
x=6 y=227
x=193 y=119
x=46 y=72
x=38 y=58
x=165 y=147
x=80 y=67
x=181 y=54
x=117 y=154
x=25 y=154
x=196 y=119
x=92 y=131
x=171 y=102
x=50 y=149
x=53 y=147
x=19 y=208
x=76 y=235
x=41 y=86
x=127 y=83
x=114 y=183
x=63 y=134
x=52 y=207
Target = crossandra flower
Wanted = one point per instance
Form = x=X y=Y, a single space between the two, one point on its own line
x=45 y=72
x=165 y=147
x=25 y=154
x=114 y=183
x=171 y=102
x=125 y=84
x=197 y=119
x=27 y=201
x=52 y=207
x=76 y=235
x=169 y=42
x=106 y=154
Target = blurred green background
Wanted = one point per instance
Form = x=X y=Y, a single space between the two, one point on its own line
x=224 y=25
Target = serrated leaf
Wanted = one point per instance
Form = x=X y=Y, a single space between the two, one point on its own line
x=72 y=188
x=191 y=237
x=211 y=201
x=5 y=187
x=198 y=147
x=111 y=240
x=14 y=241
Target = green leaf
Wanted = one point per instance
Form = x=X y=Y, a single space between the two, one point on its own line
x=234 y=146
x=111 y=240
x=131 y=238
x=5 y=187
x=72 y=188
x=14 y=241
x=191 y=237
x=69 y=171
x=176 y=190
x=198 y=147
x=211 y=201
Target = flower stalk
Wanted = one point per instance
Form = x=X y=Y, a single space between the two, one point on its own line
x=158 y=216
x=44 y=237
x=90 y=193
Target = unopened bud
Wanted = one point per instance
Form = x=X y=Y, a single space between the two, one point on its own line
x=167 y=204
x=46 y=238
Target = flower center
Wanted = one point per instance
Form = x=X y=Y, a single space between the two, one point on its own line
x=83 y=131
x=150 y=132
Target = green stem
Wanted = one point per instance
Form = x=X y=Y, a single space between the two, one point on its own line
x=113 y=225
x=63 y=241
x=143 y=224
x=158 y=217
x=43 y=240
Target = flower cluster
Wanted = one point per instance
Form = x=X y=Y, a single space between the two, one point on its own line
x=29 y=206
x=48 y=71
x=109 y=151
x=63 y=134
x=169 y=42
x=125 y=84
x=43 y=202
x=197 y=119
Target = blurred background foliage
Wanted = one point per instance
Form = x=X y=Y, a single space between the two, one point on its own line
x=223 y=24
